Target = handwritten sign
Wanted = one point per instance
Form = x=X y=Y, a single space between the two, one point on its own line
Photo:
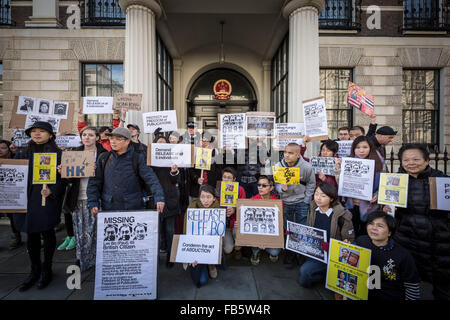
x=286 y=175
x=78 y=164
x=345 y=148
x=211 y=222
x=130 y=101
x=68 y=141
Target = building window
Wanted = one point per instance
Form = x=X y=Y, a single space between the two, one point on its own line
x=1 y=100
x=101 y=12
x=341 y=14
x=334 y=87
x=429 y=15
x=164 y=79
x=105 y=80
x=279 y=82
x=5 y=13
x=421 y=106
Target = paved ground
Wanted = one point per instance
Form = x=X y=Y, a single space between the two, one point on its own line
x=240 y=281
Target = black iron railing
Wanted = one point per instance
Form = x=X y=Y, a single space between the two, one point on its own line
x=341 y=14
x=425 y=15
x=438 y=160
x=5 y=13
x=101 y=13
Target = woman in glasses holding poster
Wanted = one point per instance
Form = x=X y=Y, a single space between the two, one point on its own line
x=40 y=220
x=422 y=230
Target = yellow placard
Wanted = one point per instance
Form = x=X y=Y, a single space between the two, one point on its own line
x=393 y=189
x=348 y=270
x=203 y=158
x=44 y=168
x=286 y=175
x=229 y=192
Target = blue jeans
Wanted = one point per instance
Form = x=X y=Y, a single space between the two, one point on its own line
x=199 y=274
x=297 y=212
x=311 y=272
x=272 y=251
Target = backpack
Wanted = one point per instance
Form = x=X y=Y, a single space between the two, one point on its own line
x=148 y=198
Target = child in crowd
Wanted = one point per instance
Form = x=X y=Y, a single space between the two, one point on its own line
x=265 y=188
x=229 y=175
x=199 y=272
x=400 y=279
x=328 y=214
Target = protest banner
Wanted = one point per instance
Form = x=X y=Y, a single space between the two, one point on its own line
x=229 y=192
x=60 y=109
x=68 y=141
x=315 y=119
x=279 y=144
x=164 y=120
x=206 y=222
x=440 y=193
x=167 y=154
x=78 y=164
x=13 y=185
x=20 y=138
x=360 y=99
x=286 y=133
x=345 y=148
x=97 y=105
x=260 y=124
x=306 y=241
x=32 y=118
x=348 y=270
x=19 y=120
x=26 y=105
x=232 y=130
x=259 y=223
x=203 y=249
x=326 y=165
x=130 y=101
x=286 y=175
x=356 y=178
x=393 y=189
x=44 y=168
x=127 y=255
x=203 y=158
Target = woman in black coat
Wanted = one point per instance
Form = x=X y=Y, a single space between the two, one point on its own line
x=420 y=229
x=169 y=178
x=40 y=220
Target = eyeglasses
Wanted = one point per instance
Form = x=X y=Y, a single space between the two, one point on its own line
x=263 y=185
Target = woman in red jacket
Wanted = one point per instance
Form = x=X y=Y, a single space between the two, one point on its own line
x=265 y=188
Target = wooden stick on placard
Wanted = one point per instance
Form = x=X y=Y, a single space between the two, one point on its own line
x=201 y=174
x=44 y=187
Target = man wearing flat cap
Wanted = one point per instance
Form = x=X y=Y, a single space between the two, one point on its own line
x=121 y=177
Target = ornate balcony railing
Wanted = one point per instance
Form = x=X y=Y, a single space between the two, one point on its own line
x=341 y=14
x=5 y=13
x=425 y=15
x=101 y=13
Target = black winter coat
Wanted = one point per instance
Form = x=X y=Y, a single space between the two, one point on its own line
x=72 y=194
x=169 y=183
x=39 y=218
x=423 y=231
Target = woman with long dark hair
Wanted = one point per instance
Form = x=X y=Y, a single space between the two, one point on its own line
x=40 y=220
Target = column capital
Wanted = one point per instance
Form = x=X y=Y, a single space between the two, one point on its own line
x=267 y=64
x=293 y=5
x=177 y=63
x=150 y=4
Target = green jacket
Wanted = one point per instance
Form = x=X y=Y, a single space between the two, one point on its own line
x=197 y=204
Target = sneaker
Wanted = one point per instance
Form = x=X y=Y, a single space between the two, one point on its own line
x=255 y=258
x=237 y=254
x=212 y=271
x=16 y=241
x=64 y=245
x=273 y=258
x=72 y=244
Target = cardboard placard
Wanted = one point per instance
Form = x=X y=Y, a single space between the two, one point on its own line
x=78 y=164
x=315 y=119
x=167 y=154
x=68 y=141
x=196 y=241
x=65 y=125
x=203 y=158
x=286 y=133
x=206 y=221
x=256 y=240
x=440 y=193
x=130 y=101
x=393 y=189
x=260 y=124
x=345 y=148
x=13 y=185
x=286 y=175
x=166 y=121
x=232 y=131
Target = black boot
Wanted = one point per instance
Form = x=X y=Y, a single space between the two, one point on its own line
x=31 y=280
x=46 y=278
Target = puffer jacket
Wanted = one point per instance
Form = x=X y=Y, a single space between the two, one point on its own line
x=424 y=231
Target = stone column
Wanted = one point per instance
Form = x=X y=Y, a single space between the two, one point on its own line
x=179 y=103
x=45 y=14
x=265 y=103
x=140 y=56
x=304 y=73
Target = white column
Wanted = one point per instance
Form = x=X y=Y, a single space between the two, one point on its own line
x=303 y=76
x=45 y=14
x=178 y=101
x=265 y=103
x=140 y=56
